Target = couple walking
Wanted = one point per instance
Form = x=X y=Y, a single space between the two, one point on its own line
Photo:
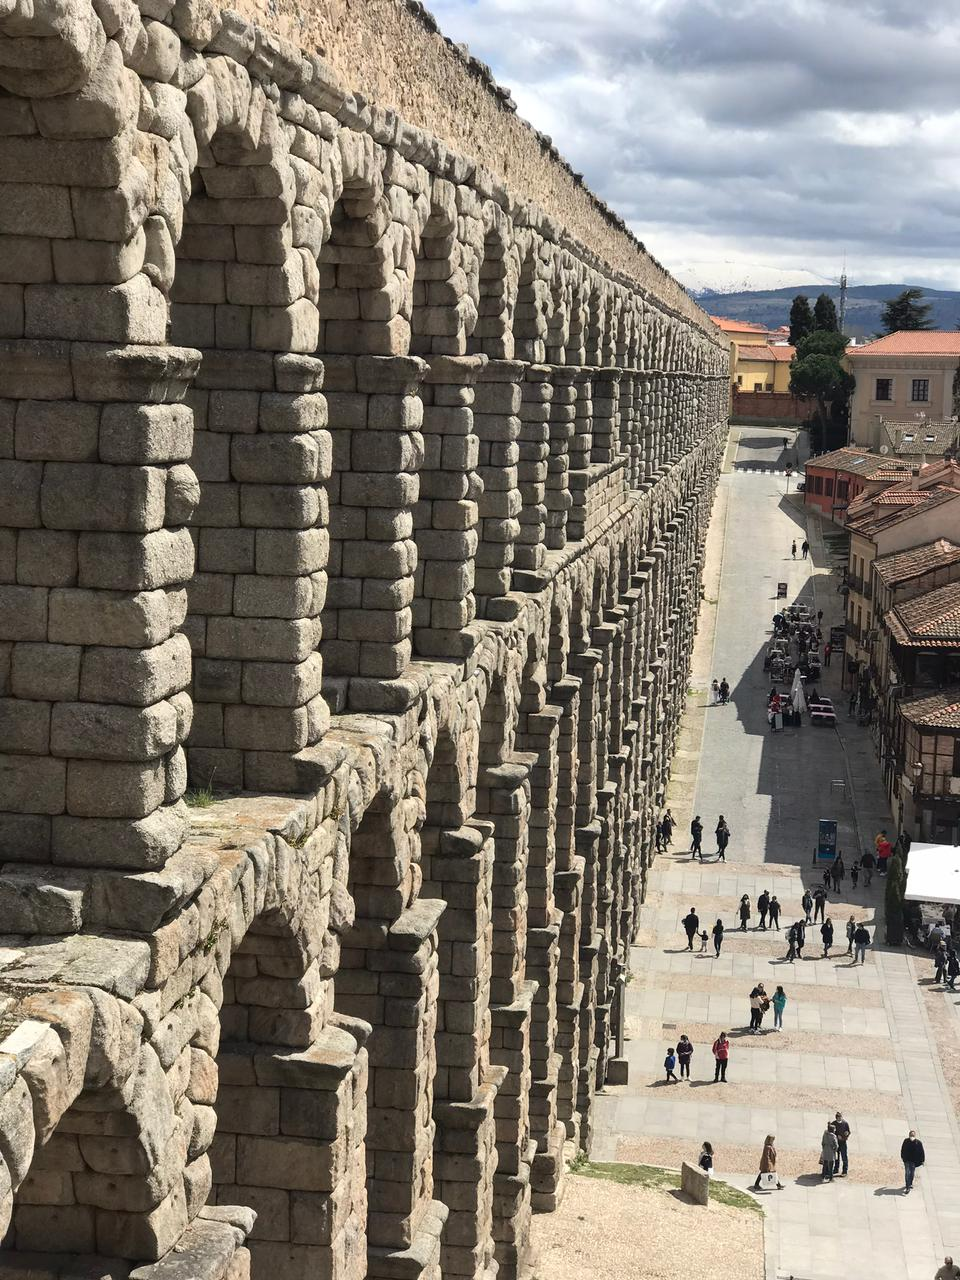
x=721 y=831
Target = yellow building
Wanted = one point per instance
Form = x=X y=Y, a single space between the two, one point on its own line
x=759 y=358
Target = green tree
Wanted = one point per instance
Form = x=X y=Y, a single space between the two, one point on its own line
x=825 y=314
x=801 y=319
x=906 y=311
x=893 y=900
x=817 y=372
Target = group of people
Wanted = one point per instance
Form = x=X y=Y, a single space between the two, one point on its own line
x=804 y=549
x=768 y=908
x=760 y=1002
x=682 y=1056
x=719 y=692
x=721 y=831
x=946 y=964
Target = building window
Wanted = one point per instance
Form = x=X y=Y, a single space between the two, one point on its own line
x=828 y=488
x=739 y=379
x=817 y=484
x=884 y=389
x=921 y=390
x=956 y=757
x=843 y=488
x=769 y=386
x=758 y=386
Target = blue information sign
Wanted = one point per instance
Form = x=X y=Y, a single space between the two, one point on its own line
x=826 y=840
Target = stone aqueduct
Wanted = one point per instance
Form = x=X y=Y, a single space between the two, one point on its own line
x=339 y=475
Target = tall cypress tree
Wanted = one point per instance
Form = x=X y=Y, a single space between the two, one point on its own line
x=825 y=314
x=906 y=311
x=801 y=319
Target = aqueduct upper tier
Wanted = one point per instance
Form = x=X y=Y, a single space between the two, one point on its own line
x=355 y=470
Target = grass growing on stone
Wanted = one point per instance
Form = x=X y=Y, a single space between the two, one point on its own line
x=199 y=797
x=648 y=1175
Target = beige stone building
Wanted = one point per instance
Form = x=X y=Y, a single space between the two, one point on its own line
x=905 y=378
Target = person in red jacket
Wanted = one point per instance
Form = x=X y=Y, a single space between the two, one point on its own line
x=884 y=853
x=721 y=1052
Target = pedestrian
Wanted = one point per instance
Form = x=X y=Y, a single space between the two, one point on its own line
x=706 y=1157
x=721 y=1053
x=722 y=832
x=807 y=903
x=949 y=1271
x=718 y=936
x=801 y=938
x=670 y=1066
x=684 y=1054
x=855 y=875
x=792 y=943
x=842 y=1130
x=691 y=926
x=820 y=903
x=851 y=930
x=827 y=652
x=913 y=1156
x=826 y=933
x=779 y=1003
x=744 y=910
x=763 y=906
x=953 y=969
x=852 y=704
x=867 y=863
x=714 y=692
x=704 y=939
x=793 y=549
x=774 y=913
x=940 y=962
x=668 y=825
x=837 y=873
x=724 y=691
x=768 y=1161
x=805 y=548
x=696 y=837
x=826 y=880
x=884 y=852
x=757 y=998
x=819 y=617
x=828 y=1152
x=660 y=836
x=861 y=940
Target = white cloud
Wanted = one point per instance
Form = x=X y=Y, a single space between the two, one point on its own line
x=740 y=138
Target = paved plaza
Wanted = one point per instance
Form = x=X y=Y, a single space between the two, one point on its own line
x=872 y=1040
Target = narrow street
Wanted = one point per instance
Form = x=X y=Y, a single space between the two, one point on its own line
x=871 y=1041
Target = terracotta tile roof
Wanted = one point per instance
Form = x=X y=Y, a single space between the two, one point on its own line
x=738 y=326
x=782 y=352
x=748 y=351
x=920 y=437
x=901 y=566
x=928 y=621
x=935 y=711
x=911 y=342
x=857 y=461
x=895 y=504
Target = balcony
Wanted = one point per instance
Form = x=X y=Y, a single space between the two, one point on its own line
x=868 y=589
x=853 y=631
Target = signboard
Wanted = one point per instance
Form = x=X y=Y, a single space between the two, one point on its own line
x=781 y=591
x=826 y=840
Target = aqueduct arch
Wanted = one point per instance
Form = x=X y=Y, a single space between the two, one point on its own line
x=346 y=493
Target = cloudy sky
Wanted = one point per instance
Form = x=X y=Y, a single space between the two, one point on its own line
x=749 y=143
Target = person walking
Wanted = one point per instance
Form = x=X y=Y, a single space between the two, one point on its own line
x=724 y=691
x=705 y=1160
x=668 y=824
x=884 y=853
x=763 y=906
x=791 y=943
x=774 y=913
x=758 y=1003
x=837 y=873
x=704 y=939
x=718 y=936
x=793 y=550
x=861 y=940
x=722 y=832
x=828 y=1152
x=827 y=653
x=659 y=836
x=805 y=548
x=779 y=1003
x=714 y=692
x=807 y=903
x=721 y=1054
x=696 y=838
x=744 y=911
x=684 y=1054
x=826 y=933
x=913 y=1157
x=768 y=1161
x=867 y=864
x=855 y=875
x=801 y=938
x=670 y=1066
x=851 y=930
x=842 y=1130
x=939 y=962
x=949 y=1270
x=953 y=969
x=819 y=903
x=691 y=926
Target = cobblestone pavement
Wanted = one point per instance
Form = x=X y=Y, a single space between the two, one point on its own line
x=858 y=1038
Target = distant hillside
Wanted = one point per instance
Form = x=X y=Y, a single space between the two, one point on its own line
x=771 y=307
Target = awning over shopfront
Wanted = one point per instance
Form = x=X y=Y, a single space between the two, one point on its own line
x=933 y=873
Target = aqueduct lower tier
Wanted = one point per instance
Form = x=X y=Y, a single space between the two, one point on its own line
x=340 y=479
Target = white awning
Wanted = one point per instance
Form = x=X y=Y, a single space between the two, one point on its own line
x=933 y=873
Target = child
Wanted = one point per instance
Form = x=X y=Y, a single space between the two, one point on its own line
x=706 y=1158
x=670 y=1064
x=704 y=939
x=855 y=874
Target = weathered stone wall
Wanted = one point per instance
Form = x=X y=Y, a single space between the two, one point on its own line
x=340 y=485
